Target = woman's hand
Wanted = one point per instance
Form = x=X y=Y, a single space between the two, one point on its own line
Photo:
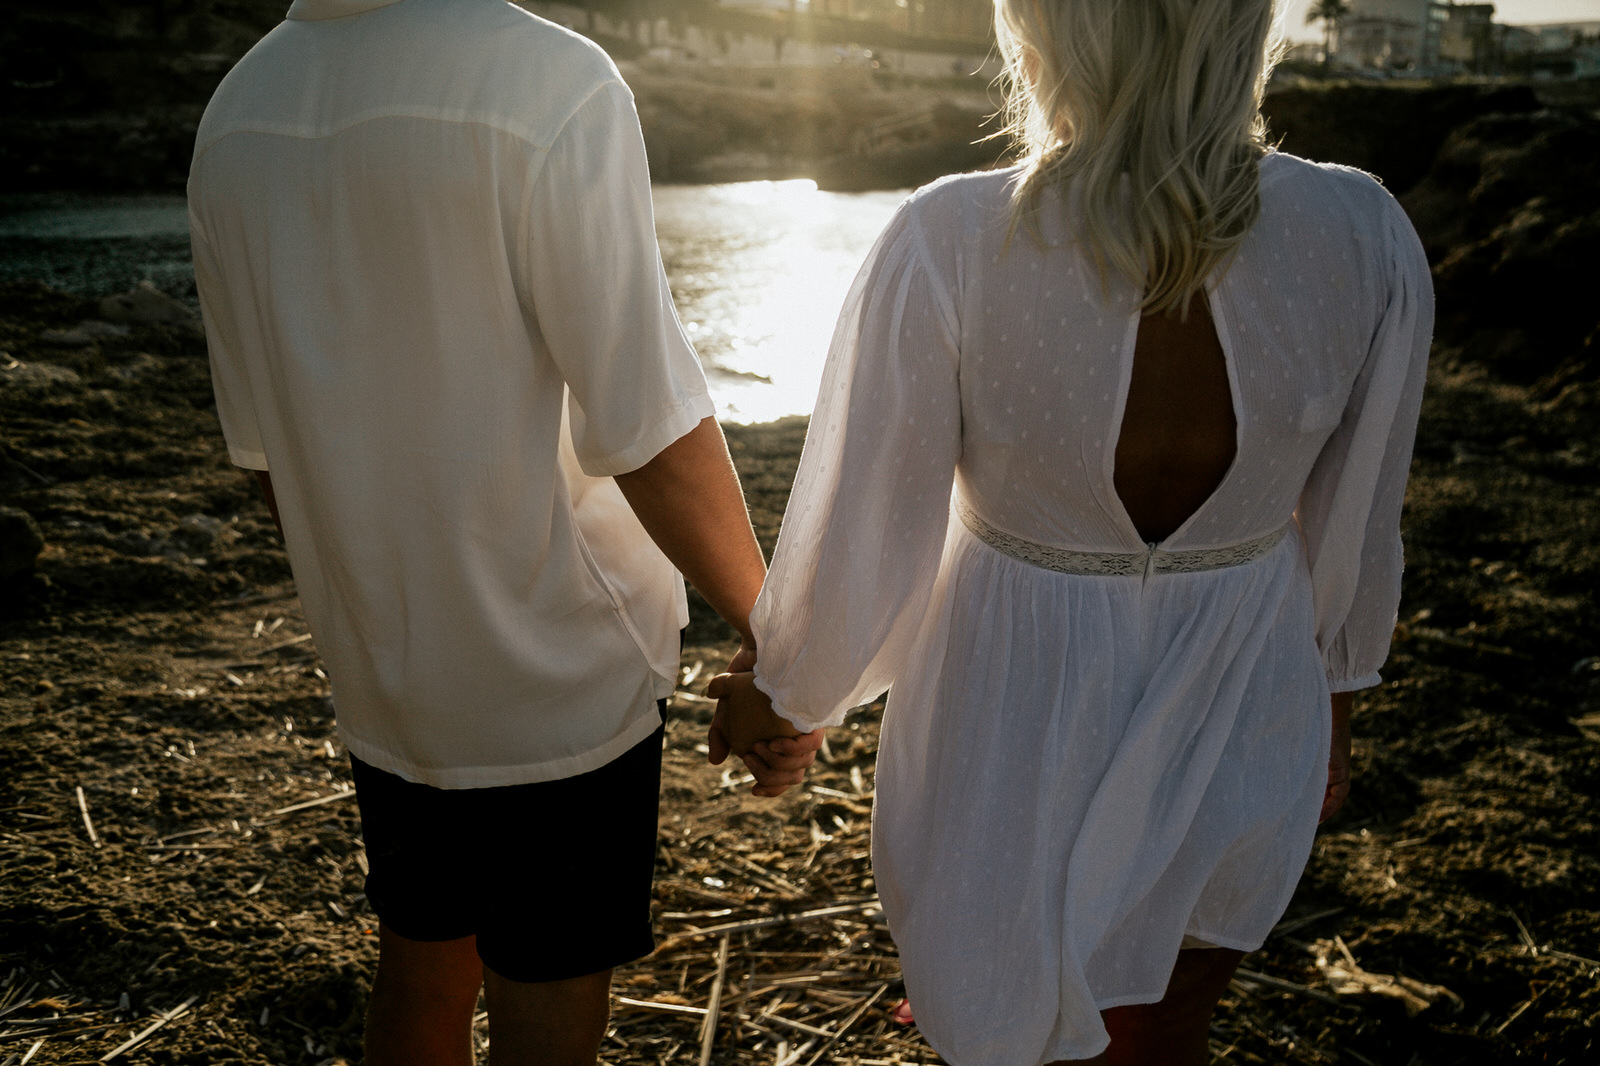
x=745 y=725
x=1338 y=789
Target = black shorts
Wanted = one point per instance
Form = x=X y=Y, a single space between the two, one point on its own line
x=553 y=878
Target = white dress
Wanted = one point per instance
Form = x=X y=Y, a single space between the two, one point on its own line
x=1076 y=771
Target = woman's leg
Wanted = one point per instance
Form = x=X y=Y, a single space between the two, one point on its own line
x=1173 y=1032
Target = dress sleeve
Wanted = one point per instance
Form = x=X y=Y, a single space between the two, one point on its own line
x=858 y=555
x=1349 y=512
x=594 y=279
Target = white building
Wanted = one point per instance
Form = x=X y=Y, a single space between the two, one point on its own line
x=1392 y=34
x=766 y=44
x=1466 y=39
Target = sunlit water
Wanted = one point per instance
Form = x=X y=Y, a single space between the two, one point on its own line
x=96 y=244
x=758 y=270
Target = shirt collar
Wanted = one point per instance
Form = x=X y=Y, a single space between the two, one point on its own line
x=310 y=10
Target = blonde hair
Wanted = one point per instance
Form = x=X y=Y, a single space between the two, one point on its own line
x=1163 y=95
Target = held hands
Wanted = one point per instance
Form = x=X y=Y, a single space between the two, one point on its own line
x=744 y=724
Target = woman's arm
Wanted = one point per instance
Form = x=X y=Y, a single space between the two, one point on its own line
x=1338 y=789
x=857 y=560
x=1349 y=511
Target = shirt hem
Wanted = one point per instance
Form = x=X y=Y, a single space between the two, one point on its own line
x=500 y=776
x=247 y=458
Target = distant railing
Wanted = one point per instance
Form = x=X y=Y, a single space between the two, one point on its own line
x=906 y=129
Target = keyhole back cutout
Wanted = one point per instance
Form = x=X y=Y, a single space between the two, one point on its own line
x=1177 y=438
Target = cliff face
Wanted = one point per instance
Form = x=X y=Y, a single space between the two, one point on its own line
x=1501 y=190
x=1388 y=131
x=97 y=94
x=847 y=128
x=1511 y=223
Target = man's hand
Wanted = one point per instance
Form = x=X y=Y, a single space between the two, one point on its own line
x=1338 y=789
x=744 y=724
x=745 y=659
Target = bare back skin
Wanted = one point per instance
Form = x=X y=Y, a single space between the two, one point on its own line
x=1178 y=428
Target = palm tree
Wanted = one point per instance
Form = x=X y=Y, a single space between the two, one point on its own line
x=1330 y=13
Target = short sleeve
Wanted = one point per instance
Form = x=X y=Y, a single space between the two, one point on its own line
x=230 y=379
x=858 y=557
x=1350 y=509
x=597 y=289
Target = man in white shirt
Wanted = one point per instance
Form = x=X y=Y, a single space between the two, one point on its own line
x=426 y=260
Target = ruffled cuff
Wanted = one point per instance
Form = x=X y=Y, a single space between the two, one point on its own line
x=1353 y=684
x=799 y=721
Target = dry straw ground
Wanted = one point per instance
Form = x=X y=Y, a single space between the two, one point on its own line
x=181 y=865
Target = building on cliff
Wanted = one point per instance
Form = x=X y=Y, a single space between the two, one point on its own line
x=1393 y=34
x=1466 y=39
x=924 y=38
x=1431 y=38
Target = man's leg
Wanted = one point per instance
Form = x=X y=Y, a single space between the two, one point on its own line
x=547 y=1023
x=582 y=848
x=420 y=1012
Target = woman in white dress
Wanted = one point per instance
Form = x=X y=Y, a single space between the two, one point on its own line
x=1173 y=379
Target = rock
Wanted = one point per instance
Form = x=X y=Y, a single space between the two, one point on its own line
x=20 y=543
x=84 y=334
x=66 y=338
x=146 y=304
x=200 y=534
x=1495 y=164
x=37 y=377
x=14 y=477
x=142 y=366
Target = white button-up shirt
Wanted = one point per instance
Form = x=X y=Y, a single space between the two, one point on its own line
x=426 y=258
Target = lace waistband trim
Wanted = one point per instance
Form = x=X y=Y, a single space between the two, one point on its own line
x=1152 y=560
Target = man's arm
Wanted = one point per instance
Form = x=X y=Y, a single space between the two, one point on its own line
x=688 y=500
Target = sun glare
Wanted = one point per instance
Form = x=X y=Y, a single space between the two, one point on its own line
x=759 y=271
